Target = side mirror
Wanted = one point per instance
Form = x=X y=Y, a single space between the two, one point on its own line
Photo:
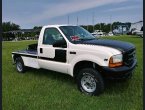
x=60 y=43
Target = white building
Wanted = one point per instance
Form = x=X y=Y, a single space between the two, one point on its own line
x=137 y=28
x=137 y=25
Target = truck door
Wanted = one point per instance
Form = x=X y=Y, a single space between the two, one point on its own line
x=50 y=56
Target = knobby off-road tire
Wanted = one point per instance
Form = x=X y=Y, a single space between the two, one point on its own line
x=20 y=65
x=89 y=81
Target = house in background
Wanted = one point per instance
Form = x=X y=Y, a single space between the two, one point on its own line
x=120 y=29
x=137 y=25
x=136 y=28
x=23 y=34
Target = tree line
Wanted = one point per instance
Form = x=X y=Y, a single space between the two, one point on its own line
x=9 y=26
x=105 y=27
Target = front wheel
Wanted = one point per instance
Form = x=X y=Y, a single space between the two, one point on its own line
x=90 y=82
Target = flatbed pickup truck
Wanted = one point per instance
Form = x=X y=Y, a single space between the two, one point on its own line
x=73 y=50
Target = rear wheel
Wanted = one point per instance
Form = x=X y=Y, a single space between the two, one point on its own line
x=20 y=65
x=90 y=81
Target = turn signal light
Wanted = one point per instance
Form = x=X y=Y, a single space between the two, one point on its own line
x=112 y=65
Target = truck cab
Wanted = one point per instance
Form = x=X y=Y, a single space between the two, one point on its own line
x=73 y=50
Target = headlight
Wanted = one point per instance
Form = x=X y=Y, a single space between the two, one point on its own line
x=116 y=60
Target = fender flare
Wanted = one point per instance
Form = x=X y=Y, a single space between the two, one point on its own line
x=91 y=58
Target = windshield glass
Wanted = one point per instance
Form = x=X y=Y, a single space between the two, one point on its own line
x=76 y=33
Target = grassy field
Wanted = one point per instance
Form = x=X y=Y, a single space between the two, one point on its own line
x=47 y=90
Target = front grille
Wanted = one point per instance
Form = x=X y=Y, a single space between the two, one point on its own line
x=128 y=57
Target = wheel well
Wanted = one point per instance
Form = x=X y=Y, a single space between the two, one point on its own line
x=16 y=56
x=84 y=64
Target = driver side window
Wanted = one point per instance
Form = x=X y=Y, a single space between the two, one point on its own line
x=51 y=35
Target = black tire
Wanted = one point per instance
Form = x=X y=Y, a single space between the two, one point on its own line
x=96 y=85
x=20 y=65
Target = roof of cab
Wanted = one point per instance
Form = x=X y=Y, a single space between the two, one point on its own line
x=58 y=25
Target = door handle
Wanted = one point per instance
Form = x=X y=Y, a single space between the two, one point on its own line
x=41 y=50
x=72 y=52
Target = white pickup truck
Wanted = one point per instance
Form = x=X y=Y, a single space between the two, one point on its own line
x=73 y=50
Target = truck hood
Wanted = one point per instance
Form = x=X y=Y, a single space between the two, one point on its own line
x=122 y=46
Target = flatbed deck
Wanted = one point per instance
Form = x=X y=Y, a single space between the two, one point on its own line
x=29 y=53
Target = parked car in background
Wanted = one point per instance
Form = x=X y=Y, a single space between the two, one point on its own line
x=116 y=32
x=98 y=33
x=137 y=32
x=110 y=34
x=94 y=34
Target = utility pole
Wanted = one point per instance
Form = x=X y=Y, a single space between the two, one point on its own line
x=68 y=19
x=87 y=23
x=77 y=20
x=93 y=21
x=110 y=23
x=100 y=26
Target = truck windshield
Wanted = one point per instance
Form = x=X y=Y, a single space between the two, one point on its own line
x=76 y=33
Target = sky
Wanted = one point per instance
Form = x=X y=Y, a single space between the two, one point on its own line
x=32 y=13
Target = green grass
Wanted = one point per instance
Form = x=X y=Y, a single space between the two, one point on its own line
x=47 y=90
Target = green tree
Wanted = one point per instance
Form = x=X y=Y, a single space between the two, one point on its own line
x=37 y=27
x=9 y=26
x=88 y=27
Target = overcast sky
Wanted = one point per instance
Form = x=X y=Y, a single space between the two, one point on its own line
x=30 y=13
